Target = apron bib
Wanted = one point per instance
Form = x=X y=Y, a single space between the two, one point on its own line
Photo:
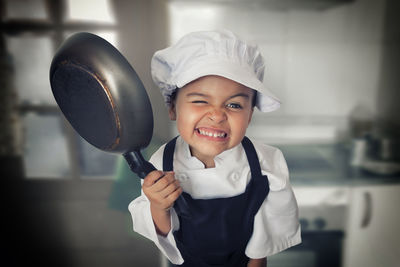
x=219 y=229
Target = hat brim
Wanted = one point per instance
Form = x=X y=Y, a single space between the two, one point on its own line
x=266 y=101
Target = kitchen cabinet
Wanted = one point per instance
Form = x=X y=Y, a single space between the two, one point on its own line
x=372 y=234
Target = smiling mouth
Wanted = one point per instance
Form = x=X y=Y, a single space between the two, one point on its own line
x=211 y=133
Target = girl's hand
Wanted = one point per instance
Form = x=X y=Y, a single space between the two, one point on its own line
x=162 y=189
x=257 y=262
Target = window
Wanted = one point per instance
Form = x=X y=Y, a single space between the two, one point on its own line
x=31 y=31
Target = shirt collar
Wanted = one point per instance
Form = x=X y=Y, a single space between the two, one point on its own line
x=232 y=154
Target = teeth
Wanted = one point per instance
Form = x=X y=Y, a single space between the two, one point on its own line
x=211 y=134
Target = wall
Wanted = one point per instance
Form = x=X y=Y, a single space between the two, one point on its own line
x=143 y=31
x=324 y=64
x=389 y=82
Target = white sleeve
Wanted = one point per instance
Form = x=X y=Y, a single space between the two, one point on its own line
x=143 y=221
x=276 y=224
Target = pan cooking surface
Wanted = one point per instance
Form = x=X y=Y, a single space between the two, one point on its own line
x=87 y=104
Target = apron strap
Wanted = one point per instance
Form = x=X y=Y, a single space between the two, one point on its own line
x=168 y=156
x=252 y=157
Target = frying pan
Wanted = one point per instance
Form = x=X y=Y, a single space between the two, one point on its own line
x=104 y=100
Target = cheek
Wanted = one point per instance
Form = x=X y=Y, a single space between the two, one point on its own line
x=185 y=118
x=241 y=123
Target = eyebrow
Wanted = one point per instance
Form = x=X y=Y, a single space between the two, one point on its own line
x=197 y=94
x=240 y=95
x=233 y=96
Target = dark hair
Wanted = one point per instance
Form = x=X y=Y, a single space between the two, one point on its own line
x=172 y=98
x=254 y=100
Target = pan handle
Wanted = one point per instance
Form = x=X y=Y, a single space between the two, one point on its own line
x=142 y=167
x=138 y=164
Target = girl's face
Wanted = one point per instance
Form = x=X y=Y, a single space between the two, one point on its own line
x=212 y=115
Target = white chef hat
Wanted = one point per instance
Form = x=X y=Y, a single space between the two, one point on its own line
x=205 y=53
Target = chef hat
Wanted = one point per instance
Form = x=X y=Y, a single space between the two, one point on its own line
x=219 y=53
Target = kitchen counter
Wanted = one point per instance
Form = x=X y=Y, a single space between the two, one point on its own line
x=328 y=165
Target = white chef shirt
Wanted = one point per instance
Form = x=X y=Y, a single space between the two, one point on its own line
x=276 y=224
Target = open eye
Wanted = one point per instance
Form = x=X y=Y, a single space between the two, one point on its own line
x=234 y=106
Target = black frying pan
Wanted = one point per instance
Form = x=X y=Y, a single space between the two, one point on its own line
x=104 y=100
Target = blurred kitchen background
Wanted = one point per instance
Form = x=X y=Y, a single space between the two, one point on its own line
x=333 y=63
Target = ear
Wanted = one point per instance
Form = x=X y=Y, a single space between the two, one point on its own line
x=172 y=111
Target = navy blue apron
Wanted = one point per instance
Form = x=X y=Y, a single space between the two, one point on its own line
x=219 y=229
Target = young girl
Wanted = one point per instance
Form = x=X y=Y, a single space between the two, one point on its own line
x=242 y=207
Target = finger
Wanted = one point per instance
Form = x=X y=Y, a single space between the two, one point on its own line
x=170 y=189
x=163 y=183
x=152 y=177
x=169 y=201
x=170 y=176
x=174 y=195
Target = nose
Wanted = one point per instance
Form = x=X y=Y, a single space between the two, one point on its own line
x=217 y=115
